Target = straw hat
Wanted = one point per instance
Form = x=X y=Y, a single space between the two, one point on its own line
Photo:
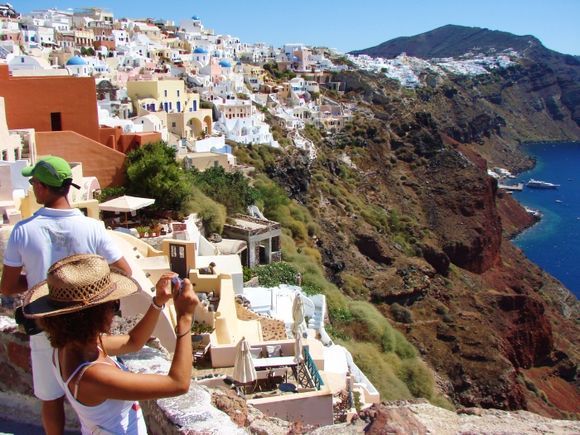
x=76 y=283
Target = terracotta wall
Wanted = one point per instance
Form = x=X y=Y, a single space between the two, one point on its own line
x=98 y=160
x=109 y=44
x=109 y=136
x=31 y=100
x=114 y=138
x=130 y=142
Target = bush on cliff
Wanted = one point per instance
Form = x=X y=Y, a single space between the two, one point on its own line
x=378 y=369
x=231 y=189
x=212 y=213
x=417 y=377
x=276 y=205
x=272 y=275
x=152 y=172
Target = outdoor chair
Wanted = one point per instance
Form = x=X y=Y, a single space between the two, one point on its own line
x=274 y=350
x=200 y=352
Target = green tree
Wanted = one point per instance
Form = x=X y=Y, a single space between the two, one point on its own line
x=110 y=193
x=153 y=172
x=231 y=189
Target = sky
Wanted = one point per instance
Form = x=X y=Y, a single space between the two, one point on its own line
x=350 y=25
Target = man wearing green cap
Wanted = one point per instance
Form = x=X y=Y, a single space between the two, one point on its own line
x=54 y=232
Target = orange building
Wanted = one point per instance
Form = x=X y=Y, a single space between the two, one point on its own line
x=50 y=103
x=63 y=112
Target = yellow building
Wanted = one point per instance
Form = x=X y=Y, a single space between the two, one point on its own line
x=178 y=109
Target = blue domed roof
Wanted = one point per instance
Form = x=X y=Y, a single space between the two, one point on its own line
x=225 y=64
x=195 y=18
x=200 y=50
x=76 y=60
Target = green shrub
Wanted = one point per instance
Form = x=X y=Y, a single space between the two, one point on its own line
x=212 y=214
x=272 y=275
x=152 y=172
x=353 y=285
x=417 y=377
x=378 y=369
x=232 y=189
x=357 y=401
x=248 y=273
x=375 y=216
x=395 y=221
x=403 y=348
x=340 y=315
x=401 y=314
x=442 y=402
x=388 y=342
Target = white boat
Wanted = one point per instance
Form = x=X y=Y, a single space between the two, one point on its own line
x=538 y=184
x=511 y=187
x=535 y=213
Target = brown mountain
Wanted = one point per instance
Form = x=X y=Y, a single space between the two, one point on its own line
x=455 y=41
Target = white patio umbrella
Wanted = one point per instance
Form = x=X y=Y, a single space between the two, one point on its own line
x=126 y=204
x=244 y=370
x=298 y=327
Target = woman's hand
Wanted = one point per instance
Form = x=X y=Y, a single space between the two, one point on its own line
x=163 y=288
x=185 y=300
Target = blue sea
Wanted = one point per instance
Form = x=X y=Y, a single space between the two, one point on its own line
x=554 y=243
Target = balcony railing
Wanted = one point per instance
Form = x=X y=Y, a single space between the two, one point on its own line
x=309 y=362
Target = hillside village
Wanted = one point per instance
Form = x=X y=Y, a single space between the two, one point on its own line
x=93 y=88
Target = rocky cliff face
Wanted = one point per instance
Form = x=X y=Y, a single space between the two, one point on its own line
x=413 y=217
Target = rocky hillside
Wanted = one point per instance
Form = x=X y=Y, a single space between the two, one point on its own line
x=546 y=68
x=409 y=220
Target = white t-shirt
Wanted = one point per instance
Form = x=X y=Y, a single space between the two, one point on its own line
x=53 y=234
x=36 y=244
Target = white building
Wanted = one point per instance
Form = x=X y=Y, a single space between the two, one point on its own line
x=120 y=37
x=241 y=122
x=27 y=63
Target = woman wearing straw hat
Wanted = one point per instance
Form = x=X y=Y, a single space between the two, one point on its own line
x=76 y=305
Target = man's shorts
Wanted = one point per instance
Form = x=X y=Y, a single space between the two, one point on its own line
x=46 y=386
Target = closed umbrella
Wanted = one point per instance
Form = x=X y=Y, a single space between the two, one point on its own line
x=244 y=370
x=298 y=327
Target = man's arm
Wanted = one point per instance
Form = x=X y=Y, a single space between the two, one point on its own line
x=122 y=264
x=12 y=281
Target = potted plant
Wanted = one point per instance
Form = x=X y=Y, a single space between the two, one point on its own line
x=199 y=329
x=143 y=231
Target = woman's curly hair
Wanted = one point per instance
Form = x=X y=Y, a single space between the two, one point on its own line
x=79 y=326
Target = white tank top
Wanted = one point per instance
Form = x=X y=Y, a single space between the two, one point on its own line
x=111 y=416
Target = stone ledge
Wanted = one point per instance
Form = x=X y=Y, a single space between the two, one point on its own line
x=189 y=413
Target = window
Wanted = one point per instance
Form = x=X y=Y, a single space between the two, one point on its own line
x=56 y=121
x=165 y=93
x=178 y=92
x=174 y=124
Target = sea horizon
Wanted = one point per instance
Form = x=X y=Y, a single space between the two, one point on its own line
x=550 y=243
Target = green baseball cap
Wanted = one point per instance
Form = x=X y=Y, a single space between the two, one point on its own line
x=52 y=171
